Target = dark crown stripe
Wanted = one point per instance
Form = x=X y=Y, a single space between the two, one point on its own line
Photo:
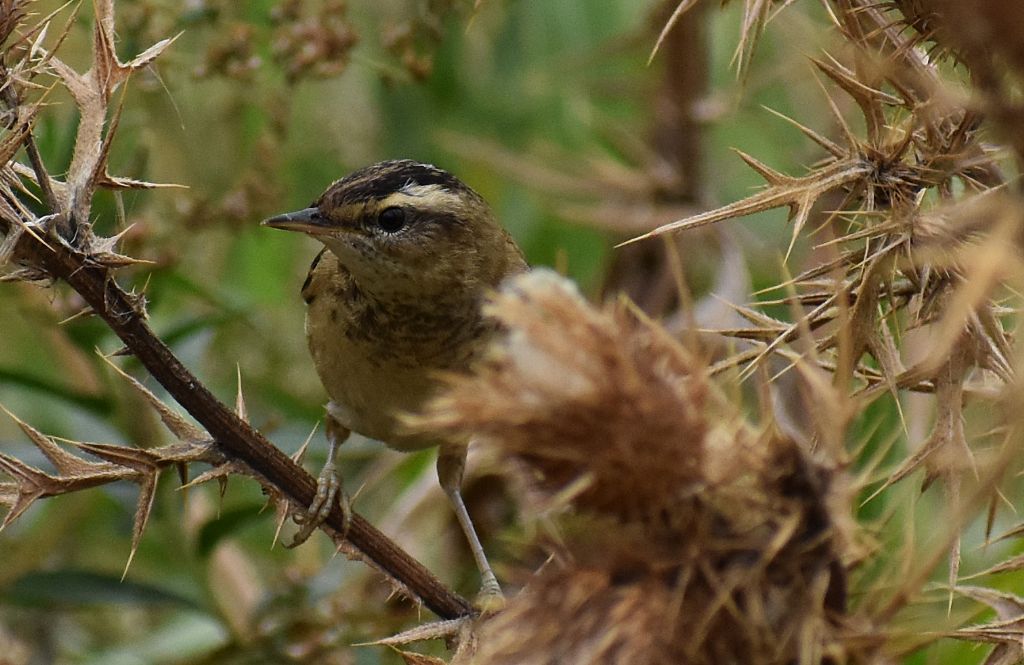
x=380 y=180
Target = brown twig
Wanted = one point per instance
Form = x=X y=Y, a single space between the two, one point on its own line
x=235 y=437
x=42 y=175
x=644 y=273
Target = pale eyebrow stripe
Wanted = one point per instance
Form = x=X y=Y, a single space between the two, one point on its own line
x=433 y=197
x=423 y=197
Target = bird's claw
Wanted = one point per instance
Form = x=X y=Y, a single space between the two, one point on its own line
x=328 y=490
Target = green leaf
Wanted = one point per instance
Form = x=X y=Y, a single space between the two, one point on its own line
x=69 y=587
x=192 y=326
x=229 y=522
x=186 y=637
x=99 y=405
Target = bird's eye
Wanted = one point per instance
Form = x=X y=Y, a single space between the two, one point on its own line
x=391 y=220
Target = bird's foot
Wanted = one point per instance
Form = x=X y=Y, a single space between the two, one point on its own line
x=490 y=598
x=328 y=490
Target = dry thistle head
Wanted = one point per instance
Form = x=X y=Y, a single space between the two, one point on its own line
x=692 y=538
x=723 y=598
x=591 y=400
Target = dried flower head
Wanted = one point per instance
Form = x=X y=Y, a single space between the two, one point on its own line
x=316 y=45
x=595 y=400
x=690 y=537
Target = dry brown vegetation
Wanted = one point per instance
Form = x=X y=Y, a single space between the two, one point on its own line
x=667 y=521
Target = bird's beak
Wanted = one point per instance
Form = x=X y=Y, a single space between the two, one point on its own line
x=307 y=220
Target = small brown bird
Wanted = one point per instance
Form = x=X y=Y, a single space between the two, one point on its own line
x=393 y=302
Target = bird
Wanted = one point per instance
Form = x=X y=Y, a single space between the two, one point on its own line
x=393 y=303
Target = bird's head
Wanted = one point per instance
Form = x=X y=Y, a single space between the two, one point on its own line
x=402 y=226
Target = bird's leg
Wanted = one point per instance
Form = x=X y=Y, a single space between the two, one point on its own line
x=451 y=462
x=328 y=488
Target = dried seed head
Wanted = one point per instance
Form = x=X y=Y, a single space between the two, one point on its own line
x=594 y=400
x=692 y=538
